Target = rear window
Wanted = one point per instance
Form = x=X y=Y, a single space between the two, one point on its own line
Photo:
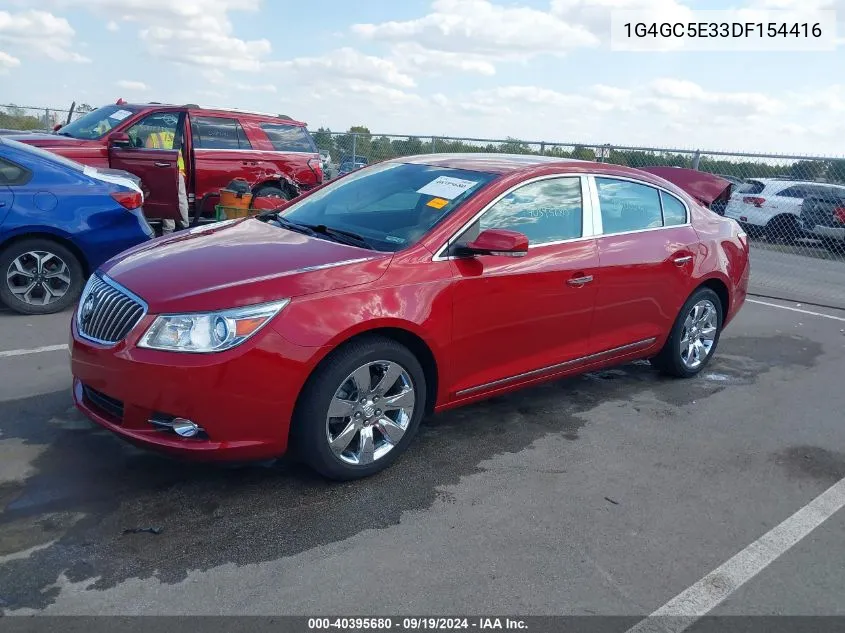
x=218 y=133
x=751 y=187
x=289 y=138
x=13 y=174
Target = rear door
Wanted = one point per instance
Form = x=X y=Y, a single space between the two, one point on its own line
x=157 y=167
x=295 y=152
x=647 y=252
x=222 y=152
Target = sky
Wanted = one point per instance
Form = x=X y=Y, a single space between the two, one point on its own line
x=538 y=70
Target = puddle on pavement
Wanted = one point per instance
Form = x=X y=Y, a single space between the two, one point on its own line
x=83 y=487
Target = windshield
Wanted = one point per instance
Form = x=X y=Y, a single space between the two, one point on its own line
x=98 y=123
x=390 y=205
x=42 y=153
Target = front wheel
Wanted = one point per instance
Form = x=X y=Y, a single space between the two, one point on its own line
x=694 y=336
x=39 y=276
x=272 y=191
x=360 y=409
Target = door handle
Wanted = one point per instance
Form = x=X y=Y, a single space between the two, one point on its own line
x=2 y=204
x=159 y=164
x=680 y=261
x=580 y=281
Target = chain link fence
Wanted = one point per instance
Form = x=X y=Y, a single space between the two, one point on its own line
x=792 y=207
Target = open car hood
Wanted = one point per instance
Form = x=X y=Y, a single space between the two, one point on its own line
x=704 y=187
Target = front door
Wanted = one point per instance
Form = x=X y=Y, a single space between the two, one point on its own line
x=648 y=251
x=518 y=317
x=156 y=166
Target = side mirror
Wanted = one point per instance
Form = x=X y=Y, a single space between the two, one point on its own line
x=495 y=242
x=120 y=139
x=57 y=127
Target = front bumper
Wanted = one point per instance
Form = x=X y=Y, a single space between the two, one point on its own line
x=242 y=398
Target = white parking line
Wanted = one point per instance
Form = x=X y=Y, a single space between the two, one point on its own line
x=32 y=350
x=791 y=309
x=687 y=607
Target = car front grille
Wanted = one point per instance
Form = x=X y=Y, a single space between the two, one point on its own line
x=107 y=311
x=106 y=404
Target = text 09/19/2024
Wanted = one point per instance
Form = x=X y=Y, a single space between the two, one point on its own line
x=749 y=30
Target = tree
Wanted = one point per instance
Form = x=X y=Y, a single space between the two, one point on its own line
x=324 y=140
x=836 y=170
x=583 y=153
x=807 y=170
x=361 y=145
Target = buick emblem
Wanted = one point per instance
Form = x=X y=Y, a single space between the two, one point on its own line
x=88 y=308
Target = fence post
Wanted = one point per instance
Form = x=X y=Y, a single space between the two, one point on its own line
x=542 y=148
x=354 y=146
x=70 y=112
x=696 y=159
x=433 y=144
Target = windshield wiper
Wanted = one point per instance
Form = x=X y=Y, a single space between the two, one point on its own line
x=292 y=226
x=65 y=134
x=340 y=235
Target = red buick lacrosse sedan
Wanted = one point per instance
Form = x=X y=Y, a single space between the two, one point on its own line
x=334 y=324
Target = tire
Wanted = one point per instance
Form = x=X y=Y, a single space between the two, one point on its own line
x=837 y=247
x=783 y=229
x=272 y=191
x=332 y=384
x=671 y=360
x=50 y=265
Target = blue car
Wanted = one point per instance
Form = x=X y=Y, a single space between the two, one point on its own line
x=59 y=221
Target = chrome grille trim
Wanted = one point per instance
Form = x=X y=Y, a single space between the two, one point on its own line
x=116 y=312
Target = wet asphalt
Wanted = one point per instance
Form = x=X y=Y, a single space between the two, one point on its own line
x=603 y=494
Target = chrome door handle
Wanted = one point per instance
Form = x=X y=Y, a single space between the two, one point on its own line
x=157 y=164
x=580 y=281
x=680 y=261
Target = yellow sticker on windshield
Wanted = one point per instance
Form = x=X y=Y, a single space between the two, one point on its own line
x=437 y=203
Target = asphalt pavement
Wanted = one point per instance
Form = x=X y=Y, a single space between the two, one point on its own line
x=609 y=493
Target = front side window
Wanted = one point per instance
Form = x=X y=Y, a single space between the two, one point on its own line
x=159 y=130
x=544 y=211
x=289 y=138
x=98 y=123
x=391 y=205
x=628 y=206
x=218 y=133
x=674 y=211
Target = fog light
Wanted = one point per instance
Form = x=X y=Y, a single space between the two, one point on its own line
x=184 y=428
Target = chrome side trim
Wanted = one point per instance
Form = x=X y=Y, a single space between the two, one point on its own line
x=309 y=269
x=552 y=368
x=586 y=217
x=254 y=151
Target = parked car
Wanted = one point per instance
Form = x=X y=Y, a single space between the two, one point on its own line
x=771 y=206
x=59 y=221
x=736 y=182
x=326 y=158
x=274 y=154
x=334 y=324
x=823 y=217
x=699 y=184
x=349 y=166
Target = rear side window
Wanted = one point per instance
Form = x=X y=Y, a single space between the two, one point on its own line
x=13 y=174
x=674 y=211
x=794 y=192
x=218 y=133
x=628 y=206
x=289 y=138
x=751 y=187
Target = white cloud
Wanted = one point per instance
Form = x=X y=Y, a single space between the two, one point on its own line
x=191 y=32
x=738 y=104
x=40 y=34
x=112 y=26
x=7 y=62
x=479 y=31
x=415 y=58
x=137 y=86
x=345 y=64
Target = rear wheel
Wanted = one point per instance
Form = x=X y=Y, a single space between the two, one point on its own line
x=39 y=276
x=360 y=409
x=783 y=229
x=694 y=336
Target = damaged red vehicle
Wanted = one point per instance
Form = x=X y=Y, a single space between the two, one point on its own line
x=274 y=154
x=333 y=325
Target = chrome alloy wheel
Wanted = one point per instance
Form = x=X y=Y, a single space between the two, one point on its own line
x=38 y=277
x=370 y=412
x=699 y=333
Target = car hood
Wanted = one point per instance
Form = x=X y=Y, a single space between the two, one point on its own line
x=238 y=263
x=704 y=187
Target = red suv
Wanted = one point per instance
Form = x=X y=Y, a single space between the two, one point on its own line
x=275 y=154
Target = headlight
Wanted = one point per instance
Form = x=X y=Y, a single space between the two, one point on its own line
x=207 y=332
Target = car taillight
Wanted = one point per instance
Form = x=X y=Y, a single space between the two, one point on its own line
x=839 y=214
x=129 y=199
x=757 y=202
x=316 y=165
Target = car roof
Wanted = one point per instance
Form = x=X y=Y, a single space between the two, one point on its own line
x=193 y=107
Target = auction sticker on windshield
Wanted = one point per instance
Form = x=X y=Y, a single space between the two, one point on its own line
x=120 y=115
x=447 y=187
